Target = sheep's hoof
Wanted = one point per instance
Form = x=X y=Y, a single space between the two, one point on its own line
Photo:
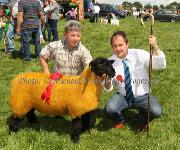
x=75 y=138
x=13 y=130
x=13 y=124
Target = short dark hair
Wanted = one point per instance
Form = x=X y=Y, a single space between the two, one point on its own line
x=120 y=33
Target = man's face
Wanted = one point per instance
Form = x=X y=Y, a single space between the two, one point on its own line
x=73 y=38
x=119 y=46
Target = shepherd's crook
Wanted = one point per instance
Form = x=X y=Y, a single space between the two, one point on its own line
x=150 y=15
x=150 y=72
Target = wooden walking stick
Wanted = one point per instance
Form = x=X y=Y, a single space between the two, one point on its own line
x=150 y=71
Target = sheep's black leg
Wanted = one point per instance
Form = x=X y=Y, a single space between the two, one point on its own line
x=86 y=121
x=31 y=117
x=76 y=129
x=13 y=124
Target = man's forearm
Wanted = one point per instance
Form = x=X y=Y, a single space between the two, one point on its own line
x=44 y=64
x=19 y=19
x=42 y=19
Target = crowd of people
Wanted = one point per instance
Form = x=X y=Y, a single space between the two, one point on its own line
x=70 y=57
x=30 y=19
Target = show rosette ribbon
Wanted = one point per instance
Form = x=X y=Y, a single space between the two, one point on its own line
x=47 y=93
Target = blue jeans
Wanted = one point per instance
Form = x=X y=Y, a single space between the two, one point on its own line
x=53 y=29
x=9 y=37
x=27 y=35
x=96 y=17
x=47 y=27
x=15 y=25
x=118 y=103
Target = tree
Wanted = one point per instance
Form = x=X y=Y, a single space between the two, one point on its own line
x=148 y=6
x=173 y=5
x=126 y=4
x=162 y=6
x=138 y=5
x=178 y=6
x=155 y=7
x=168 y=7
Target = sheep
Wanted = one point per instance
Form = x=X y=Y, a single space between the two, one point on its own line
x=76 y=96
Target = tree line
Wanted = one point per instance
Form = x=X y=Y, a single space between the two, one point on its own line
x=138 y=5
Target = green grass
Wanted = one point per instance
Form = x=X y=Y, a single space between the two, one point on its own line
x=53 y=134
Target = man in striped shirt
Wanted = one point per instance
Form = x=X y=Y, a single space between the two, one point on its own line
x=29 y=12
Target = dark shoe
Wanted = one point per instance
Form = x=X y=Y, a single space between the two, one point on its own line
x=27 y=59
x=20 y=54
x=119 y=126
x=8 y=53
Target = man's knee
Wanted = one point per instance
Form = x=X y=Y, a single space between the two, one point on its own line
x=156 y=111
x=110 y=108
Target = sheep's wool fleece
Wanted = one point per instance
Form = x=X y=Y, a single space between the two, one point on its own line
x=73 y=95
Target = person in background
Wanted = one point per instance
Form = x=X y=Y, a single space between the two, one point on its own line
x=53 y=17
x=91 y=10
x=71 y=14
x=29 y=12
x=14 y=15
x=9 y=31
x=69 y=55
x=47 y=26
x=131 y=80
x=96 y=12
x=40 y=29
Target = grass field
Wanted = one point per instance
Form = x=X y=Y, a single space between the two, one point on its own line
x=52 y=133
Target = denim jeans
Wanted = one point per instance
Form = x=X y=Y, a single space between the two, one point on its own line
x=27 y=35
x=15 y=25
x=118 y=103
x=96 y=17
x=9 y=37
x=47 y=27
x=53 y=29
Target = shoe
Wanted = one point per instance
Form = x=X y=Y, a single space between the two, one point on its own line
x=27 y=59
x=119 y=126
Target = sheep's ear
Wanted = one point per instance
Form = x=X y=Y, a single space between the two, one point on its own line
x=111 y=61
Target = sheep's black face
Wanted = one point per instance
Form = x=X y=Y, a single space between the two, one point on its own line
x=102 y=66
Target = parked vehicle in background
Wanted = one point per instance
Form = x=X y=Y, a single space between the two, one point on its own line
x=107 y=8
x=166 y=15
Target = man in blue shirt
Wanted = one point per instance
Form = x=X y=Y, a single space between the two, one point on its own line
x=131 y=80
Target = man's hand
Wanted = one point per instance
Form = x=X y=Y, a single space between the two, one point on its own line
x=43 y=26
x=18 y=30
x=106 y=81
x=153 y=43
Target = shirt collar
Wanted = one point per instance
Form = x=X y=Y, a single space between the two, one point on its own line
x=64 y=43
x=128 y=57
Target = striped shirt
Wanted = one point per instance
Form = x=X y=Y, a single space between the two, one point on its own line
x=30 y=9
x=66 y=61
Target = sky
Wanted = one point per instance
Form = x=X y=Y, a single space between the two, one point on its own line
x=152 y=2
